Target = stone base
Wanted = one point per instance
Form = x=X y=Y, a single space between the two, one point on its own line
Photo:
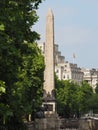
x=51 y=122
x=30 y=125
x=50 y=107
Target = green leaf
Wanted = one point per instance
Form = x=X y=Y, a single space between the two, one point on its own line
x=2 y=28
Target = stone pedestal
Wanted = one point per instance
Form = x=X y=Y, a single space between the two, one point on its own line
x=30 y=125
x=50 y=122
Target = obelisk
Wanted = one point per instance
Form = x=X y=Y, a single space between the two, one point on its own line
x=49 y=85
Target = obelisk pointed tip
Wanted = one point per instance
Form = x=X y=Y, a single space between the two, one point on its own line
x=50 y=12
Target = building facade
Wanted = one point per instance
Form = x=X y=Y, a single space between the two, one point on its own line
x=91 y=77
x=63 y=69
x=69 y=71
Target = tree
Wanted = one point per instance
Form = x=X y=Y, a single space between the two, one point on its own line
x=66 y=94
x=93 y=103
x=84 y=93
x=60 y=96
x=73 y=99
x=96 y=89
x=21 y=62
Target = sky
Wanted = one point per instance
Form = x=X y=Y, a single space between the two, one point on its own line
x=75 y=27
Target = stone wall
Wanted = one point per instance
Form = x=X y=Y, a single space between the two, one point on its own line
x=88 y=124
x=53 y=123
x=49 y=123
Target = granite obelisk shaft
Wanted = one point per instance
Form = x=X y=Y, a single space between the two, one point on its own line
x=49 y=53
x=49 y=59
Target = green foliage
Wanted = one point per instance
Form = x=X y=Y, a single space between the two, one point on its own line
x=21 y=62
x=2 y=87
x=96 y=89
x=93 y=103
x=66 y=94
x=84 y=93
x=73 y=99
x=2 y=27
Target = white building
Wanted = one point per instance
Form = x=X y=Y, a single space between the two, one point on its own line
x=58 y=57
x=41 y=45
x=69 y=71
x=91 y=76
x=65 y=70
